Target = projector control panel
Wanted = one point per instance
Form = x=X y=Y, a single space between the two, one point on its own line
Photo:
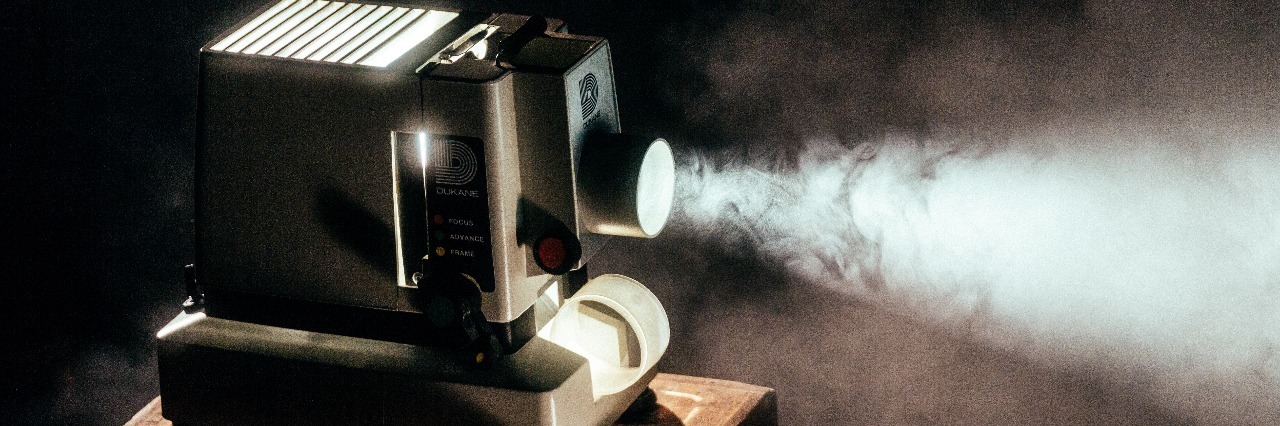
x=458 y=209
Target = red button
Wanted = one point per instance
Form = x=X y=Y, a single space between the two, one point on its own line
x=438 y=219
x=551 y=252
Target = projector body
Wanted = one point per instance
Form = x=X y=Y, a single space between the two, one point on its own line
x=393 y=207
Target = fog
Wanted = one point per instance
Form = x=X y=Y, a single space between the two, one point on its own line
x=1091 y=188
x=1150 y=265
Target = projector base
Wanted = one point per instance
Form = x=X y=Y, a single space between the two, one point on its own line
x=217 y=371
x=682 y=401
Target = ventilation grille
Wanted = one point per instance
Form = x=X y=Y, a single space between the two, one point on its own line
x=332 y=31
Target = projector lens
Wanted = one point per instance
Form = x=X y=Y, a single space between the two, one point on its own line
x=626 y=185
x=655 y=187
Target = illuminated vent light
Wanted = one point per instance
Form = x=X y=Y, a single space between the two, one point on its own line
x=319 y=34
x=332 y=31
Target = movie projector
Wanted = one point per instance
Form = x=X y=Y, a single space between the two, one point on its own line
x=395 y=205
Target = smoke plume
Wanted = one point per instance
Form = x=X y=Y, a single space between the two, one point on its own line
x=1093 y=187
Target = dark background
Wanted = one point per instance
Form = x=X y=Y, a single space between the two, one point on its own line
x=98 y=127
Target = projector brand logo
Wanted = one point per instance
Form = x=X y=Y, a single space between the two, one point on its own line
x=455 y=164
x=589 y=93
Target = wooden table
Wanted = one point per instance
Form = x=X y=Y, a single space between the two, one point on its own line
x=683 y=400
